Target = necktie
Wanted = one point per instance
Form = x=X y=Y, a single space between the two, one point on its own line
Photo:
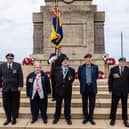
x=122 y=69
x=9 y=67
x=64 y=73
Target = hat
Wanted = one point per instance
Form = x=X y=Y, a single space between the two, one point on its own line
x=65 y=58
x=88 y=55
x=10 y=55
x=122 y=59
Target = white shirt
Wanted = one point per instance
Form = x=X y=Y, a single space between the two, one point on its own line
x=121 y=69
x=10 y=65
x=37 y=87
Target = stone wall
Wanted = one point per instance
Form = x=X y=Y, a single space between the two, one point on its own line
x=83 y=28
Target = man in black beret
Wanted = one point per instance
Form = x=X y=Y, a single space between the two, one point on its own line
x=11 y=83
x=63 y=90
x=118 y=83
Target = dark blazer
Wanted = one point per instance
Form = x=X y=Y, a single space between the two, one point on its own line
x=56 y=63
x=11 y=80
x=82 y=77
x=45 y=84
x=64 y=86
x=119 y=83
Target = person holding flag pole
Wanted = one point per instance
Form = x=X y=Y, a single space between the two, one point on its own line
x=56 y=38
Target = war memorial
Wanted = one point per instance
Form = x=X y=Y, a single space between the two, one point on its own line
x=83 y=32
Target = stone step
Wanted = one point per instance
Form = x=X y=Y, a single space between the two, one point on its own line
x=100 y=103
x=99 y=81
x=76 y=124
x=76 y=81
x=76 y=87
x=100 y=113
x=76 y=94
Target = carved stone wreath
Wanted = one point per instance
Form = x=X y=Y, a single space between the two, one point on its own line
x=68 y=1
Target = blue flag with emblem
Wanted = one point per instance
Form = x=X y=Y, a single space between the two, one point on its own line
x=56 y=29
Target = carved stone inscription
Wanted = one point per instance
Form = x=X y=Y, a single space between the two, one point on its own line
x=73 y=34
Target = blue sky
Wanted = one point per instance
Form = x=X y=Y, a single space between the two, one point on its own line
x=16 y=28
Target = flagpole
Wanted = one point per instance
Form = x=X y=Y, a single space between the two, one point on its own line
x=56 y=6
x=121 y=44
x=56 y=3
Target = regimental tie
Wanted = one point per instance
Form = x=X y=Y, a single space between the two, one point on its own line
x=65 y=72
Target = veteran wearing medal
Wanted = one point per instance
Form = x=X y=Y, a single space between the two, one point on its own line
x=118 y=83
x=11 y=83
x=63 y=90
x=55 y=60
x=38 y=89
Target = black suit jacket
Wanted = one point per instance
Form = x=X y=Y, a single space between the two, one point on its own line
x=56 y=63
x=64 y=86
x=11 y=79
x=119 y=84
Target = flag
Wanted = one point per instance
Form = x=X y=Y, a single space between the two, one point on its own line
x=56 y=29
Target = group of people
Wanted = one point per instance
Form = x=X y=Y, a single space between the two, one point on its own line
x=38 y=87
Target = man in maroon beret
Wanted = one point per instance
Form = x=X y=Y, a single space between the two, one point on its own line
x=88 y=55
x=88 y=74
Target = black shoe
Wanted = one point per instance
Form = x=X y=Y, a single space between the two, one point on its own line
x=112 y=122
x=126 y=123
x=53 y=99
x=13 y=122
x=55 y=121
x=33 y=121
x=6 y=122
x=84 y=121
x=45 y=121
x=92 y=122
x=69 y=122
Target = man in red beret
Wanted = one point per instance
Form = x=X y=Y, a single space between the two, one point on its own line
x=88 y=74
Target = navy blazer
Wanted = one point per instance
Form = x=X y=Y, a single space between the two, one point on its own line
x=82 y=77
x=45 y=84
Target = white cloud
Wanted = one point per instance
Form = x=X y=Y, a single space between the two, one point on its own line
x=116 y=22
x=16 y=28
